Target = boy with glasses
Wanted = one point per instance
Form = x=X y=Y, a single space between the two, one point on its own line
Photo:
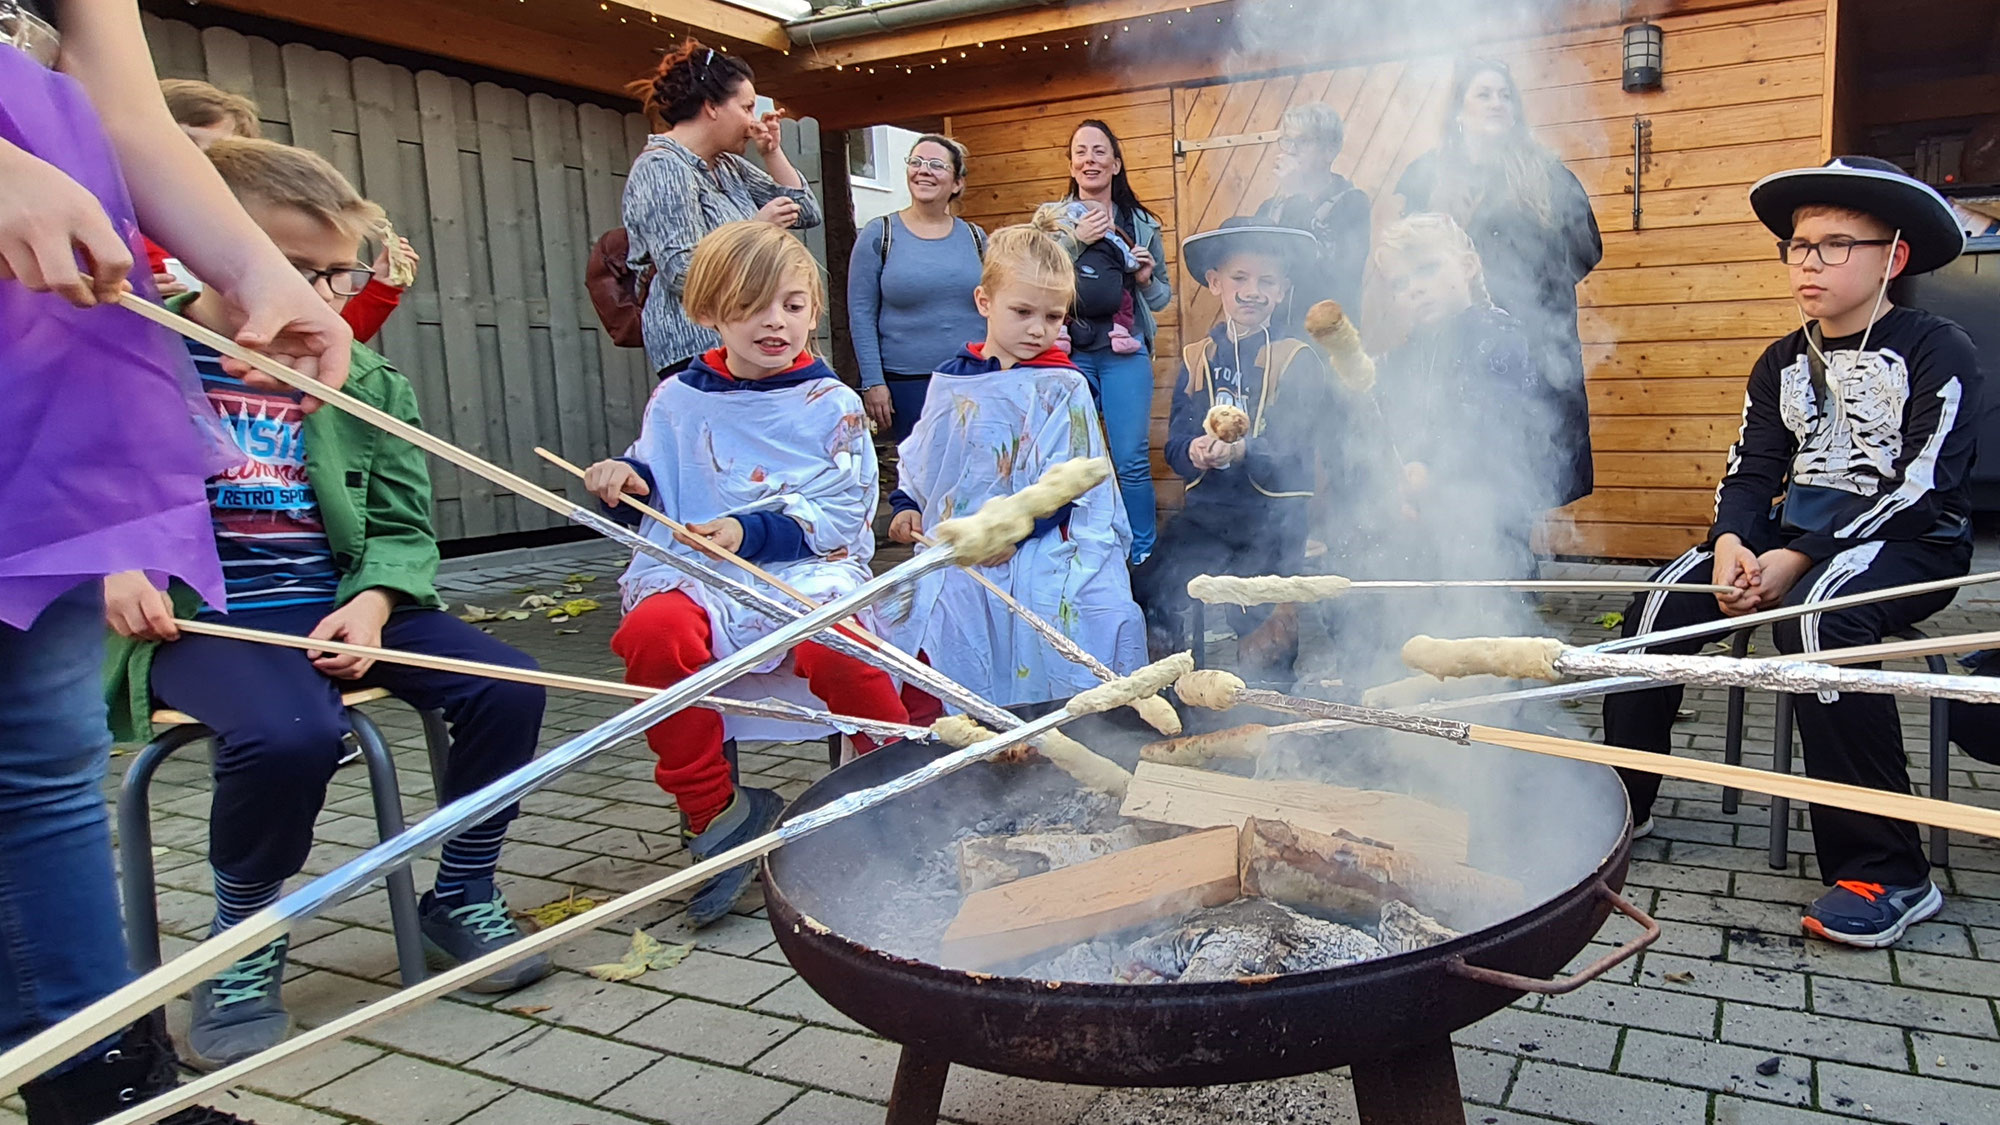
x=323 y=525
x=1848 y=475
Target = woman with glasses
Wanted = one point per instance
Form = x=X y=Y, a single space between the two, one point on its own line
x=909 y=288
x=1531 y=222
x=1312 y=197
x=692 y=177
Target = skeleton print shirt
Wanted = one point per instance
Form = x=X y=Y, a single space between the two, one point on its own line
x=1881 y=452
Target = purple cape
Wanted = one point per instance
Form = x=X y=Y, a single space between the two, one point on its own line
x=109 y=441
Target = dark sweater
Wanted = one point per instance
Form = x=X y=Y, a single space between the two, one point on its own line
x=1891 y=465
x=1267 y=490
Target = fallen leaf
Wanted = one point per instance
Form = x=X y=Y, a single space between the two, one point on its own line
x=549 y=913
x=474 y=614
x=580 y=578
x=1611 y=620
x=1679 y=978
x=558 y=617
x=567 y=632
x=522 y=591
x=529 y=1009
x=570 y=588
x=646 y=953
x=575 y=607
x=537 y=601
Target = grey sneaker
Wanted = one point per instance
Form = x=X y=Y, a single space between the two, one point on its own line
x=481 y=924
x=240 y=1011
x=751 y=813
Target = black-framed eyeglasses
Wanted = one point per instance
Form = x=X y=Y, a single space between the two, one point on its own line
x=1832 y=251
x=919 y=163
x=341 y=281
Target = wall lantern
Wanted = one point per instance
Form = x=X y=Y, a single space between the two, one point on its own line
x=1642 y=57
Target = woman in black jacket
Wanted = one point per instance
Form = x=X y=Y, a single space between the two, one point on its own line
x=1532 y=224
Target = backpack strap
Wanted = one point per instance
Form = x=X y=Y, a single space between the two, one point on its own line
x=978 y=239
x=882 y=243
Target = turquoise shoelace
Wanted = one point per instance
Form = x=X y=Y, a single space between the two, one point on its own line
x=252 y=978
x=489 y=920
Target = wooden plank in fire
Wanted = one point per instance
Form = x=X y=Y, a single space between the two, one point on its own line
x=1075 y=904
x=1197 y=798
x=1235 y=140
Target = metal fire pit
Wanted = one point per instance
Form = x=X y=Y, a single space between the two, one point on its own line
x=1390 y=1020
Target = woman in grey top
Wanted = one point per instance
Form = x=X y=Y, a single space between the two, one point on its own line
x=692 y=177
x=909 y=288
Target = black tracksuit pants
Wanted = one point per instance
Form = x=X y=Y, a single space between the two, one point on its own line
x=1852 y=738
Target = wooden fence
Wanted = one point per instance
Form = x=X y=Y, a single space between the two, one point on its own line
x=502 y=193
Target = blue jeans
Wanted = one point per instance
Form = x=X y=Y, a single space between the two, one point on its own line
x=1123 y=388
x=62 y=944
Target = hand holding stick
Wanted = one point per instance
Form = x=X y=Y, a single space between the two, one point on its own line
x=703 y=543
x=1158 y=713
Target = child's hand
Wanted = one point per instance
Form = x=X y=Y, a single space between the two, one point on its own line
x=726 y=533
x=1780 y=570
x=906 y=526
x=168 y=285
x=359 y=622
x=384 y=270
x=611 y=479
x=46 y=219
x=135 y=608
x=1208 y=453
x=1738 y=566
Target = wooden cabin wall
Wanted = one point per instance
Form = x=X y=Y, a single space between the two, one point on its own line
x=1671 y=320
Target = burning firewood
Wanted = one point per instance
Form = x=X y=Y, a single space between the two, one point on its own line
x=990 y=861
x=1075 y=904
x=1344 y=874
x=1404 y=929
x=1250 y=937
x=1195 y=798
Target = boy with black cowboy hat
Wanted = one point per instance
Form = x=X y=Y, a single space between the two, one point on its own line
x=1245 y=511
x=1848 y=475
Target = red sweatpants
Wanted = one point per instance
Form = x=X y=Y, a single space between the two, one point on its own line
x=666 y=638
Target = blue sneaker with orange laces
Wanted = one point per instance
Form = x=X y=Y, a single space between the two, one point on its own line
x=1870 y=915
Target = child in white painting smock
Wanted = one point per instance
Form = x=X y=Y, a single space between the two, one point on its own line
x=997 y=416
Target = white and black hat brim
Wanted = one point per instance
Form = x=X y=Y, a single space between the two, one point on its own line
x=1871 y=186
x=1207 y=251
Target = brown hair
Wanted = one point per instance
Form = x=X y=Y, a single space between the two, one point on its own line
x=1435 y=233
x=285 y=176
x=1524 y=164
x=738 y=269
x=1027 y=255
x=205 y=107
x=689 y=77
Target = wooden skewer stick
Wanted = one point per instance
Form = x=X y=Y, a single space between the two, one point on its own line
x=717 y=550
x=530 y=676
x=1158 y=713
x=1272 y=589
x=1898 y=806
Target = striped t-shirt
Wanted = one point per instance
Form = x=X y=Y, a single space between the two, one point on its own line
x=267 y=521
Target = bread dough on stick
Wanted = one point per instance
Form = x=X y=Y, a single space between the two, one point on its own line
x=1158 y=714
x=1516 y=658
x=1226 y=423
x=1150 y=680
x=1209 y=688
x=990 y=534
x=1087 y=767
x=1269 y=589
x=1247 y=741
x=1336 y=335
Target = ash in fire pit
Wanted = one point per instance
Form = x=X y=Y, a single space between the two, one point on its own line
x=1250 y=937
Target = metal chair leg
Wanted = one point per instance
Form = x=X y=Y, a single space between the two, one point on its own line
x=403 y=916
x=1940 y=765
x=1732 y=737
x=135 y=845
x=1781 y=807
x=1198 y=628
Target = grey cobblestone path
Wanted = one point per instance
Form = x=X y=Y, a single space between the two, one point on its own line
x=732 y=1037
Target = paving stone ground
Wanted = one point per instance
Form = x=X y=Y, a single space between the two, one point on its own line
x=733 y=1037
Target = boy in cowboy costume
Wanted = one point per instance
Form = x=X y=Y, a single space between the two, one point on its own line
x=1245 y=511
x=1849 y=475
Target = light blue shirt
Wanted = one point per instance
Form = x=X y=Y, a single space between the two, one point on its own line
x=915 y=311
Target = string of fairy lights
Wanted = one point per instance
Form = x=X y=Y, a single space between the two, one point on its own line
x=1096 y=37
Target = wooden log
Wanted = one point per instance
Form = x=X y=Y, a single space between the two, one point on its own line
x=991 y=861
x=1404 y=928
x=1342 y=875
x=1103 y=896
x=1195 y=798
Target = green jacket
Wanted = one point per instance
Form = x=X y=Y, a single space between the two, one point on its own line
x=374 y=494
